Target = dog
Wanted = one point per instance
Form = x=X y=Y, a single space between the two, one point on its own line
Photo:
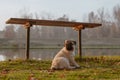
x=64 y=59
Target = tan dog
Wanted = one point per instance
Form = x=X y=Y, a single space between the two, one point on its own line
x=65 y=58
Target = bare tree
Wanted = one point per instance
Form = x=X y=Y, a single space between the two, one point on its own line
x=116 y=14
x=106 y=24
x=25 y=13
x=9 y=32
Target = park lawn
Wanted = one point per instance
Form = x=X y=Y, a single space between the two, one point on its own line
x=92 y=68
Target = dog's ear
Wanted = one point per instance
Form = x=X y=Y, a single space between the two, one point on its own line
x=74 y=42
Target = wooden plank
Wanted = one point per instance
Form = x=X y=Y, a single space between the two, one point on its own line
x=51 y=23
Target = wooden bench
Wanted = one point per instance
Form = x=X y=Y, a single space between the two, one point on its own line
x=78 y=26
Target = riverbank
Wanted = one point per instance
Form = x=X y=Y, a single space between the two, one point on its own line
x=92 y=68
x=59 y=47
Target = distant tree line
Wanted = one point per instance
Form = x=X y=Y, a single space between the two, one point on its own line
x=110 y=24
x=110 y=27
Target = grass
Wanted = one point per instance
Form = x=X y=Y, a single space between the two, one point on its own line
x=92 y=68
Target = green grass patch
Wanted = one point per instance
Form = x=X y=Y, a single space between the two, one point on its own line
x=92 y=68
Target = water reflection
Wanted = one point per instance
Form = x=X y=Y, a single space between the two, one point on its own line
x=2 y=58
x=48 y=54
x=39 y=54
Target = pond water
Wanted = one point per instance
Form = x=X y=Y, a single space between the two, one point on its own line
x=48 y=54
